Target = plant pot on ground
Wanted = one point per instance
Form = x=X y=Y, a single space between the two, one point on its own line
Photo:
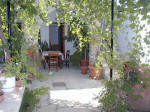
x=1 y=93
x=95 y=72
x=84 y=63
x=30 y=78
x=8 y=83
x=18 y=83
x=1 y=96
x=8 y=74
x=84 y=66
x=84 y=69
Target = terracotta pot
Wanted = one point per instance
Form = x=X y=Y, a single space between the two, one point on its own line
x=1 y=96
x=19 y=83
x=84 y=62
x=30 y=78
x=84 y=69
x=143 y=103
x=95 y=73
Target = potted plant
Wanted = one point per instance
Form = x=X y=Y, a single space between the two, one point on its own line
x=21 y=79
x=95 y=71
x=84 y=69
x=95 y=68
x=76 y=58
x=18 y=83
x=8 y=75
x=1 y=96
x=84 y=63
x=1 y=93
x=44 y=46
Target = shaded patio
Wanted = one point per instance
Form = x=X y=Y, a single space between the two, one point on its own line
x=70 y=91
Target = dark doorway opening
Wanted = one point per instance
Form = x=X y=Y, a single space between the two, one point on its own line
x=56 y=37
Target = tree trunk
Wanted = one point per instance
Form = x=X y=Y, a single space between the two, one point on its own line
x=4 y=41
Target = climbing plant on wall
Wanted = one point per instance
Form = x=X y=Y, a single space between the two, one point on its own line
x=97 y=15
x=29 y=12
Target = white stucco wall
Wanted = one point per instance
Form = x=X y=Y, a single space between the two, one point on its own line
x=124 y=40
x=146 y=47
x=44 y=31
x=69 y=45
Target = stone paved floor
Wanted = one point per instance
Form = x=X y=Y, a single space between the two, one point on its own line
x=12 y=100
x=70 y=91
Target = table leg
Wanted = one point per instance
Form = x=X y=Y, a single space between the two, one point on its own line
x=60 y=62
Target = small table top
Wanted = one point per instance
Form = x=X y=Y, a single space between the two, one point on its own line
x=45 y=53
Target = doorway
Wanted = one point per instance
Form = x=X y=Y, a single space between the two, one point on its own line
x=56 y=37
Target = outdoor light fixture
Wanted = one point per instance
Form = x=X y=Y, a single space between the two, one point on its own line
x=8 y=17
x=112 y=32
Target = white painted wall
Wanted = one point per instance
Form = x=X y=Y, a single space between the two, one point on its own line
x=124 y=40
x=44 y=31
x=146 y=47
x=69 y=45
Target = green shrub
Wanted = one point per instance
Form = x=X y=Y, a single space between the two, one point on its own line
x=31 y=99
x=76 y=58
x=44 y=46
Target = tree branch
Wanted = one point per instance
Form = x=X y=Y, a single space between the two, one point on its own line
x=4 y=41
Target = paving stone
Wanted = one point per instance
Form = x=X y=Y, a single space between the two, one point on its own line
x=44 y=100
x=48 y=108
x=59 y=84
x=75 y=110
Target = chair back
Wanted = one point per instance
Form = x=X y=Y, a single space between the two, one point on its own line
x=53 y=57
x=53 y=60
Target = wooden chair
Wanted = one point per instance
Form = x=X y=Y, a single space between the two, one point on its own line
x=53 y=60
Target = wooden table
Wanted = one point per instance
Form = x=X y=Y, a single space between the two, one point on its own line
x=61 y=57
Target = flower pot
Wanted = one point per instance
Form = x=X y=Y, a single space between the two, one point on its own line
x=1 y=96
x=31 y=78
x=8 y=83
x=95 y=73
x=142 y=103
x=84 y=69
x=84 y=62
x=18 y=83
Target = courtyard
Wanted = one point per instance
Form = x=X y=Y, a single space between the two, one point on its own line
x=70 y=91
x=105 y=43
